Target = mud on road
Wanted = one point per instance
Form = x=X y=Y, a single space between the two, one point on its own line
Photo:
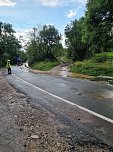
x=26 y=128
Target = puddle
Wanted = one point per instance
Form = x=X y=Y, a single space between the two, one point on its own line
x=108 y=94
x=99 y=95
x=64 y=72
x=95 y=95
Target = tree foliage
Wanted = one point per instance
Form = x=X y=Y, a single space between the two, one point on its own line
x=9 y=45
x=50 y=38
x=93 y=33
x=44 y=44
x=98 y=25
x=73 y=32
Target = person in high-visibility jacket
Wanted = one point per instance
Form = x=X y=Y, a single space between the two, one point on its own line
x=8 y=65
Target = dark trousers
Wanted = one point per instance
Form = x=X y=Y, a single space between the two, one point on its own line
x=9 y=70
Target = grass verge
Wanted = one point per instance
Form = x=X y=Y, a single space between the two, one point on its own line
x=98 y=65
x=45 y=65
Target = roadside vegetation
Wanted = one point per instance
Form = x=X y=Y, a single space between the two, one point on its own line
x=45 y=65
x=66 y=59
x=99 y=64
x=90 y=40
x=44 y=47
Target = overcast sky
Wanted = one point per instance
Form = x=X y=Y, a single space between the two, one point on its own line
x=25 y=14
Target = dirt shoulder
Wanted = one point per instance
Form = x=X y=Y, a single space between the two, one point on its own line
x=26 y=128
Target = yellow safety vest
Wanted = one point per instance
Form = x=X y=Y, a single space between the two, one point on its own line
x=8 y=65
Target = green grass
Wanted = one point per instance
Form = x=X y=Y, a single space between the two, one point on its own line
x=45 y=65
x=66 y=59
x=98 y=65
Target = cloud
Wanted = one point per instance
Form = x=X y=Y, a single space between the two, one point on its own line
x=23 y=37
x=51 y=3
x=54 y=3
x=71 y=13
x=7 y=3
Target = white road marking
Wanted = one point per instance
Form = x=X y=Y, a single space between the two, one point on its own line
x=80 y=107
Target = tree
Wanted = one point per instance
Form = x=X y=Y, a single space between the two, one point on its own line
x=98 y=26
x=76 y=47
x=35 y=47
x=44 y=44
x=9 y=45
x=50 y=37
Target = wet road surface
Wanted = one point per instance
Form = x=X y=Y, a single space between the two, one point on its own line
x=93 y=96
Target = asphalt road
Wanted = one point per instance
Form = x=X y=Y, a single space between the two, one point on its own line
x=88 y=102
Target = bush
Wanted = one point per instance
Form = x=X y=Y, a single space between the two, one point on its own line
x=101 y=57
